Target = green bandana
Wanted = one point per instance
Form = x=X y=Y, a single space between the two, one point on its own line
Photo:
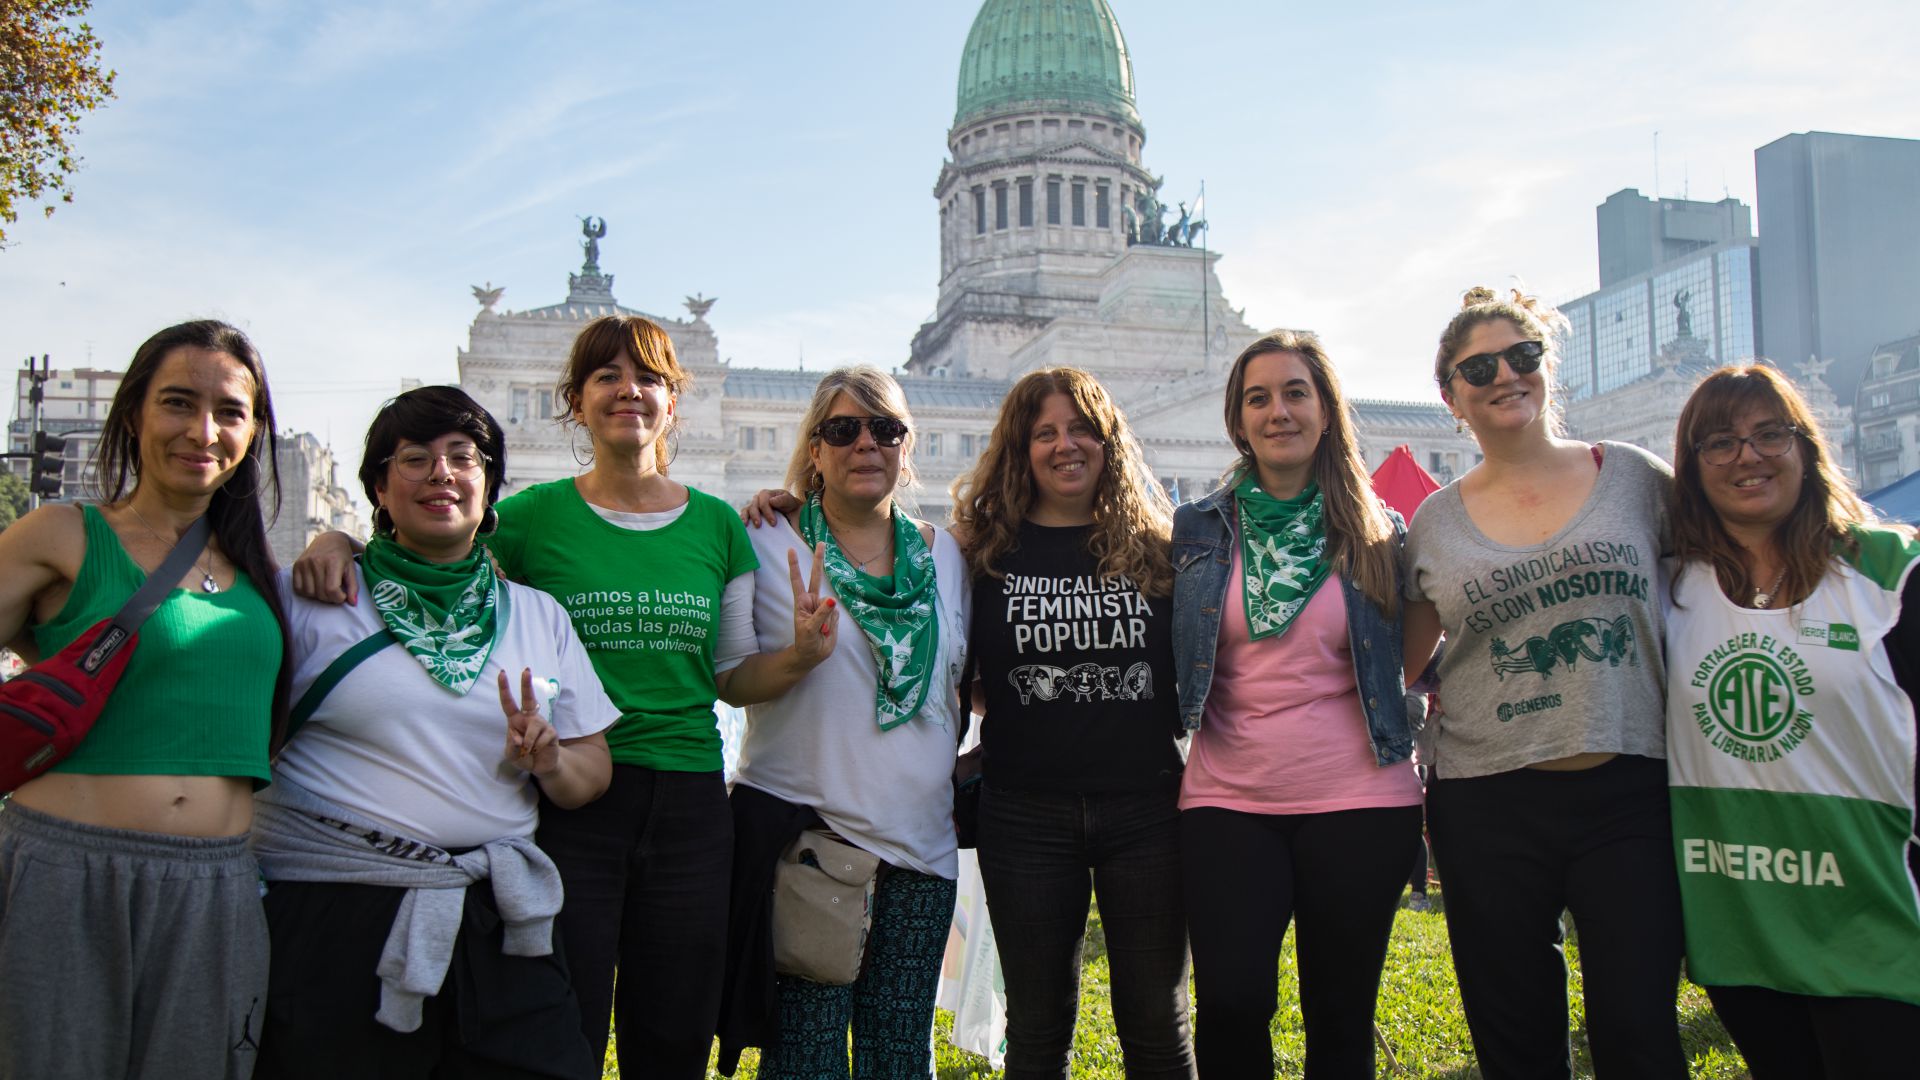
x=448 y=615
x=899 y=624
x=1282 y=542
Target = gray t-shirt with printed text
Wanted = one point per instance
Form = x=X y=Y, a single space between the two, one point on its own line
x=1553 y=649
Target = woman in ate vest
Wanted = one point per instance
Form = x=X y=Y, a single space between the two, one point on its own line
x=1299 y=803
x=1791 y=674
x=131 y=936
x=1068 y=538
x=657 y=577
x=1549 y=790
x=410 y=911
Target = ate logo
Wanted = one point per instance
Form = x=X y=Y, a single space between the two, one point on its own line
x=1754 y=700
x=1751 y=697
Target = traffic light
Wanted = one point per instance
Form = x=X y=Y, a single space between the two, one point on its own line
x=49 y=464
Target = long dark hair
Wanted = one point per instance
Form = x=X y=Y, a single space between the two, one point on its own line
x=242 y=506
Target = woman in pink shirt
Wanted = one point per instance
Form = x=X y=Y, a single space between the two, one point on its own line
x=1298 y=801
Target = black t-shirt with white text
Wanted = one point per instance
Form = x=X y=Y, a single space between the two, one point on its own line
x=1077 y=670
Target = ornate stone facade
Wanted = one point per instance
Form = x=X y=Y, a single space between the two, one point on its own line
x=1053 y=251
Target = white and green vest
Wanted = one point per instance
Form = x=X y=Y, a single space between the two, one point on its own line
x=1790 y=750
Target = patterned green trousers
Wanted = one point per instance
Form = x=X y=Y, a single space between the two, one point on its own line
x=890 y=1007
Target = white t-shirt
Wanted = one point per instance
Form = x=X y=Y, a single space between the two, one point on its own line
x=820 y=743
x=391 y=743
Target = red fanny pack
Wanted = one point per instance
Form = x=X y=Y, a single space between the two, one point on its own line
x=46 y=710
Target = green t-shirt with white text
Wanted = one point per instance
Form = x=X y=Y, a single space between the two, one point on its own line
x=645 y=603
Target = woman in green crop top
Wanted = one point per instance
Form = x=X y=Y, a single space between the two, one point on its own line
x=94 y=921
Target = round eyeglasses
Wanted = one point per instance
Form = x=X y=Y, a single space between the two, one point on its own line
x=417 y=464
x=1724 y=448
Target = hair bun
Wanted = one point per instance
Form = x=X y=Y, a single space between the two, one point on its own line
x=1479 y=294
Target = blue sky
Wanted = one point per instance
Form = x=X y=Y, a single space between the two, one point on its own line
x=334 y=176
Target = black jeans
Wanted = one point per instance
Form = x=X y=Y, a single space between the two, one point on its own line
x=496 y=1017
x=1247 y=875
x=1520 y=847
x=647 y=868
x=1800 y=1037
x=1042 y=854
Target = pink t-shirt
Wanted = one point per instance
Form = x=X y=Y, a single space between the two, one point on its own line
x=1283 y=731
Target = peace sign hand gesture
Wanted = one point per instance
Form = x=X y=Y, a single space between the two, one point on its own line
x=814 y=619
x=532 y=744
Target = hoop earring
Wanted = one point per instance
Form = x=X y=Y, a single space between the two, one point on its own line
x=816 y=482
x=489 y=522
x=673 y=446
x=573 y=447
x=385 y=528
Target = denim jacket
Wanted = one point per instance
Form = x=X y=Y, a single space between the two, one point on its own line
x=1202 y=560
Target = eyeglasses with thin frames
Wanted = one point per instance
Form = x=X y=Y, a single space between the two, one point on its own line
x=1480 y=369
x=1724 y=448
x=416 y=464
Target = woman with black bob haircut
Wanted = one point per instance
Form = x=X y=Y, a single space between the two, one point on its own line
x=127 y=895
x=658 y=577
x=1791 y=674
x=411 y=912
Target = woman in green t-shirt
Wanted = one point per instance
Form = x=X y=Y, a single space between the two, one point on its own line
x=657 y=577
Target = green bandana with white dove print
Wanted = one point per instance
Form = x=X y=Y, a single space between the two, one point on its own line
x=448 y=615
x=1283 y=544
x=900 y=625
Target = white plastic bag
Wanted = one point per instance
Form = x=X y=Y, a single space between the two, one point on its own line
x=971 y=985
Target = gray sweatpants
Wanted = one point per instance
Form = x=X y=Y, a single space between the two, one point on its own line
x=127 y=954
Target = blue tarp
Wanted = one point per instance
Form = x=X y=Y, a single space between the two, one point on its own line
x=1898 y=501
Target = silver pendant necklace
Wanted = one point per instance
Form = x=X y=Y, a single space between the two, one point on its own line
x=1763 y=598
x=207 y=584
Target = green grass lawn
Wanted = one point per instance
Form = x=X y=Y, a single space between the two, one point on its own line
x=1419 y=1013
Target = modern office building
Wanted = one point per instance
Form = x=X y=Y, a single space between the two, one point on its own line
x=1840 y=249
x=1670 y=270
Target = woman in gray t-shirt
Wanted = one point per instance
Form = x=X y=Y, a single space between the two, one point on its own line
x=1540 y=564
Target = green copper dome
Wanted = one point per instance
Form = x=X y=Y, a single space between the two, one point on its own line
x=1063 y=52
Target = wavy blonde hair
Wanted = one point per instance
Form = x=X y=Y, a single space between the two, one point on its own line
x=1132 y=516
x=1817 y=523
x=871 y=389
x=1359 y=532
x=1531 y=315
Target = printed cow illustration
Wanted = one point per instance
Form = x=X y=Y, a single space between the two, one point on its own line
x=1593 y=638
x=1043 y=680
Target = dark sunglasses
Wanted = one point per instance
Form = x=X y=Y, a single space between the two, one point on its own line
x=843 y=430
x=1522 y=356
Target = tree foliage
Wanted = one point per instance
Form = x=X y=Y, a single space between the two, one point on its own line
x=50 y=77
x=13 y=498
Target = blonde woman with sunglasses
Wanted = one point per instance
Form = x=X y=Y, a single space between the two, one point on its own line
x=1541 y=566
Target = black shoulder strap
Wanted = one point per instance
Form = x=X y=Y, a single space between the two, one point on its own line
x=330 y=678
x=126 y=622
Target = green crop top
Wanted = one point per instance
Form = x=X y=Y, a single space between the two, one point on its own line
x=197 y=697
